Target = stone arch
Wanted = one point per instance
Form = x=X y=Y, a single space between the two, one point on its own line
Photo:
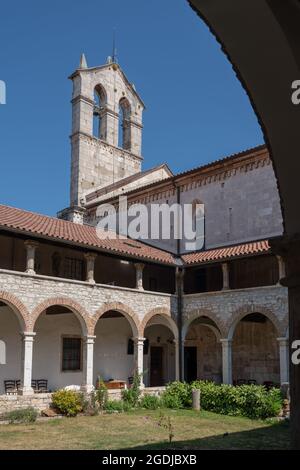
x=203 y=313
x=242 y=312
x=164 y=312
x=99 y=114
x=121 y=308
x=18 y=308
x=77 y=309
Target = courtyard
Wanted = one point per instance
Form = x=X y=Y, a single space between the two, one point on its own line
x=140 y=429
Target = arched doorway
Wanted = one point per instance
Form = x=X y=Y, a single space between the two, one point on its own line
x=255 y=351
x=58 y=347
x=11 y=327
x=160 y=351
x=114 y=349
x=202 y=351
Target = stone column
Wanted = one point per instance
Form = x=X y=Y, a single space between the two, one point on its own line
x=30 y=261
x=88 y=364
x=139 y=267
x=225 y=270
x=227 y=360
x=177 y=370
x=281 y=268
x=179 y=281
x=90 y=267
x=139 y=358
x=26 y=388
x=284 y=359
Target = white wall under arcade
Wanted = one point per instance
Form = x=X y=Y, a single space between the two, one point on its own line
x=47 y=349
x=111 y=360
x=10 y=335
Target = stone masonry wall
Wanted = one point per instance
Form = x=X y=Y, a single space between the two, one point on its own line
x=30 y=295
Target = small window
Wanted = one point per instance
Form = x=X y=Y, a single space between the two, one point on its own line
x=73 y=268
x=71 y=354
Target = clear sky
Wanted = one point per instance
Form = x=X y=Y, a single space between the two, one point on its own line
x=196 y=111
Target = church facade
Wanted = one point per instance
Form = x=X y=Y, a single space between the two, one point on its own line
x=75 y=306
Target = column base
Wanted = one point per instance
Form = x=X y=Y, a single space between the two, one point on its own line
x=25 y=391
x=87 y=388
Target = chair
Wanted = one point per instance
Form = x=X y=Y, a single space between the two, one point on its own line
x=10 y=387
x=18 y=384
x=268 y=384
x=34 y=385
x=241 y=382
x=42 y=386
x=252 y=382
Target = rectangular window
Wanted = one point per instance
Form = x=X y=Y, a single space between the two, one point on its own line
x=74 y=268
x=71 y=354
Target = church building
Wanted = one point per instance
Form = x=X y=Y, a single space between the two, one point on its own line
x=75 y=306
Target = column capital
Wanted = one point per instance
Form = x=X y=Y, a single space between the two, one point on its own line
x=28 y=335
x=139 y=339
x=90 y=256
x=139 y=266
x=89 y=339
x=31 y=243
x=283 y=341
x=226 y=342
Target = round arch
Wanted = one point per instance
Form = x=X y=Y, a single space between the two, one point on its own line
x=246 y=310
x=200 y=314
x=128 y=313
x=163 y=312
x=17 y=307
x=76 y=308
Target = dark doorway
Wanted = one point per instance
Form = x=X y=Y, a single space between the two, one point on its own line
x=156 y=366
x=190 y=363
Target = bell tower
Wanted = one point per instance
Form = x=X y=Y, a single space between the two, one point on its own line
x=106 y=139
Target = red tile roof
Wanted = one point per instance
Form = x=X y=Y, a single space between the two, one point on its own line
x=44 y=226
x=84 y=235
x=227 y=252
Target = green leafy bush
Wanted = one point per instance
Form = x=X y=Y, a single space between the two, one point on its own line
x=253 y=401
x=114 y=405
x=24 y=416
x=101 y=394
x=150 y=402
x=68 y=402
x=177 y=395
x=131 y=396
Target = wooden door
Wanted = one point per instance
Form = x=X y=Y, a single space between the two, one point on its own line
x=156 y=366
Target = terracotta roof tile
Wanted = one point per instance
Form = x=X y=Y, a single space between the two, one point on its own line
x=252 y=248
x=45 y=226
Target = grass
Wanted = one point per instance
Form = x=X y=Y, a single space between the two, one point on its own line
x=140 y=430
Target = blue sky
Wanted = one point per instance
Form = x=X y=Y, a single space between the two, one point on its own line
x=196 y=111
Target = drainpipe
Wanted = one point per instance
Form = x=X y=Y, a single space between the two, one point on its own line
x=179 y=290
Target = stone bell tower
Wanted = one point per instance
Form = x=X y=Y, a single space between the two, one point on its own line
x=106 y=139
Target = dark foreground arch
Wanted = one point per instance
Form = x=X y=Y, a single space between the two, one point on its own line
x=261 y=39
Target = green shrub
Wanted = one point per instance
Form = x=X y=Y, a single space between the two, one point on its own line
x=114 y=405
x=25 y=415
x=150 y=402
x=131 y=396
x=101 y=394
x=68 y=402
x=253 y=401
x=177 y=395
